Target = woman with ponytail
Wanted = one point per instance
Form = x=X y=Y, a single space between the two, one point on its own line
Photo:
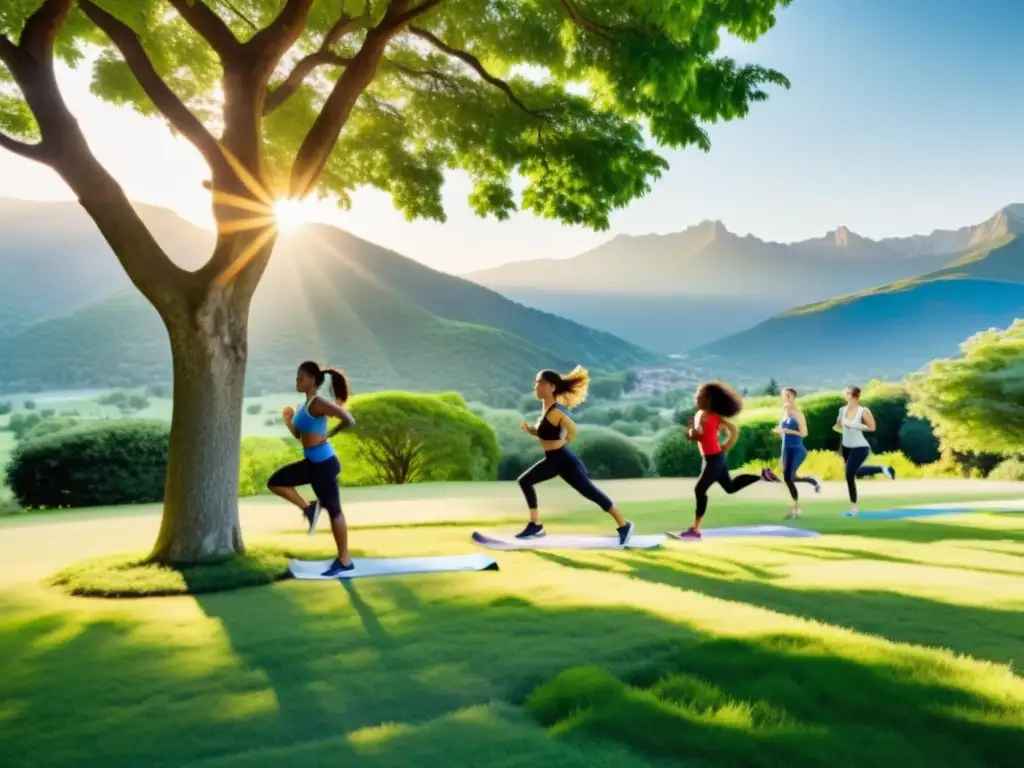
x=555 y=429
x=319 y=466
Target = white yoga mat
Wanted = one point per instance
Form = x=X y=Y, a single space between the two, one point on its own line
x=392 y=566
x=565 y=542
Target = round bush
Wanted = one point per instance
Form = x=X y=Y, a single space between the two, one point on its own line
x=628 y=428
x=610 y=457
x=118 y=462
x=918 y=441
x=888 y=404
x=756 y=442
x=676 y=456
x=1011 y=470
x=512 y=465
x=261 y=457
x=49 y=427
x=820 y=411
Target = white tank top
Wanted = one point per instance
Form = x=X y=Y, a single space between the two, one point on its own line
x=853 y=438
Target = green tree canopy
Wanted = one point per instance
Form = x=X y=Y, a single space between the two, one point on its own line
x=296 y=97
x=976 y=401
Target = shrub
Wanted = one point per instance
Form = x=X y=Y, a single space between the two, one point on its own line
x=30 y=405
x=820 y=411
x=21 y=423
x=6 y=407
x=405 y=437
x=627 y=428
x=918 y=441
x=684 y=413
x=255 y=409
x=512 y=465
x=888 y=404
x=638 y=413
x=47 y=413
x=119 y=462
x=49 y=427
x=606 y=387
x=158 y=390
x=261 y=457
x=608 y=456
x=1011 y=470
x=828 y=465
x=756 y=441
x=676 y=456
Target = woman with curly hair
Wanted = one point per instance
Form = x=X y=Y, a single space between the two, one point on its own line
x=555 y=429
x=717 y=403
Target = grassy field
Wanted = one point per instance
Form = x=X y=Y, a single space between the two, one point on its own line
x=758 y=652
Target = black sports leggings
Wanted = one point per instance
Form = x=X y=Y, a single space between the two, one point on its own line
x=855 y=458
x=565 y=464
x=322 y=475
x=792 y=458
x=713 y=470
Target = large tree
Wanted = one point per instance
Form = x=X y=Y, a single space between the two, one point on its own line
x=287 y=98
x=976 y=401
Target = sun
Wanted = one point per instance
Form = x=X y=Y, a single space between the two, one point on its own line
x=290 y=215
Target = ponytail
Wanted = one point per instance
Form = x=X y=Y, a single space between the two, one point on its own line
x=570 y=389
x=339 y=385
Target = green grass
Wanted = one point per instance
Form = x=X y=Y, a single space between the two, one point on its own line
x=760 y=652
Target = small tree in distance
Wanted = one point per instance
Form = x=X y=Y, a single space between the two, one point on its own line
x=296 y=97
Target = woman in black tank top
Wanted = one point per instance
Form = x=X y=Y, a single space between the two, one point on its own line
x=554 y=430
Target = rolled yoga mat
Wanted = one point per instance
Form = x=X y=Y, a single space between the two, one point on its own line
x=393 y=566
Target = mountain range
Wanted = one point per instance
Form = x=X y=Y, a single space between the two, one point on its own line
x=70 y=319
x=683 y=291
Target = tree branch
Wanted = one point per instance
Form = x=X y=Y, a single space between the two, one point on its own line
x=28 y=151
x=322 y=56
x=403 y=18
x=271 y=42
x=42 y=27
x=179 y=115
x=209 y=25
x=298 y=75
x=477 y=66
x=583 y=22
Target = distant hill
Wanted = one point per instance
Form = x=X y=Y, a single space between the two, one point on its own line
x=885 y=332
x=680 y=291
x=53 y=259
x=327 y=295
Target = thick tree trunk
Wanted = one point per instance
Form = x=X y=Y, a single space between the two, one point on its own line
x=209 y=347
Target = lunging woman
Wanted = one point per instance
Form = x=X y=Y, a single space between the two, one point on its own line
x=555 y=429
x=716 y=402
x=319 y=467
x=854 y=420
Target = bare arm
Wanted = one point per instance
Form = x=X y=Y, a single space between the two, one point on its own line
x=564 y=421
x=801 y=422
x=869 y=421
x=288 y=414
x=734 y=434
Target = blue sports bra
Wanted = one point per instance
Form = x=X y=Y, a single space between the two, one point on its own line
x=307 y=424
x=788 y=440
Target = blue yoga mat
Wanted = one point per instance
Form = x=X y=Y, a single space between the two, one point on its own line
x=904 y=514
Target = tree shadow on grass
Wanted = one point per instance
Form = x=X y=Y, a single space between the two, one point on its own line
x=993 y=635
x=922 y=530
x=308 y=672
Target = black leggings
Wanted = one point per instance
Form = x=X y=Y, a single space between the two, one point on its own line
x=322 y=475
x=565 y=464
x=713 y=470
x=792 y=458
x=855 y=458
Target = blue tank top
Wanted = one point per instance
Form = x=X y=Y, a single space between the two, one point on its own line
x=307 y=424
x=788 y=440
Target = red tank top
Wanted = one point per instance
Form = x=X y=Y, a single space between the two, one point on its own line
x=708 y=441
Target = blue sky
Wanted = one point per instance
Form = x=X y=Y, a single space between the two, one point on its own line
x=904 y=116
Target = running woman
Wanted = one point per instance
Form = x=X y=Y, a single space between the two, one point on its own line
x=854 y=420
x=716 y=402
x=319 y=466
x=793 y=429
x=555 y=429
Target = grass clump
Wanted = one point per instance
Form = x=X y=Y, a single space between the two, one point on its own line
x=138 y=576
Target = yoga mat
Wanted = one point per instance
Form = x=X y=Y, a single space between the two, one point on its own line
x=903 y=514
x=748 y=531
x=565 y=542
x=392 y=566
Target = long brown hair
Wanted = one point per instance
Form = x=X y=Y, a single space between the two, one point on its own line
x=339 y=382
x=571 y=388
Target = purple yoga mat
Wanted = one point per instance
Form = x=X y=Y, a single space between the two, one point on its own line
x=748 y=531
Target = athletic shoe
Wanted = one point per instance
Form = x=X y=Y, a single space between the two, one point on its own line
x=816 y=483
x=312 y=515
x=889 y=472
x=851 y=513
x=337 y=568
x=794 y=514
x=768 y=476
x=532 y=531
x=690 y=533
x=625 y=533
